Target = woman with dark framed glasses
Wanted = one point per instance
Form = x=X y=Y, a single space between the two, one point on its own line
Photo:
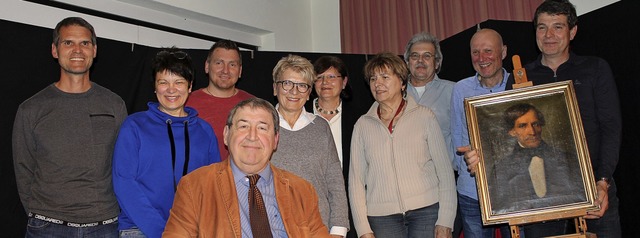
x=155 y=148
x=306 y=145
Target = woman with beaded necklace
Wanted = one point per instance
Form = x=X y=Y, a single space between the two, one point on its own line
x=330 y=86
x=333 y=96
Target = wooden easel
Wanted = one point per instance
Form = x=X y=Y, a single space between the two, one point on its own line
x=519 y=74
x=521 y=81
x=580 y=225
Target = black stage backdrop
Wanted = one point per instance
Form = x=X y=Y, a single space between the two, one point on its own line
x=124 y=68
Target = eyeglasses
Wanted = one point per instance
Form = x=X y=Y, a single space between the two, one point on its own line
x=425 y=56
x=288 y=85
x=178 y=54
x=329 y=77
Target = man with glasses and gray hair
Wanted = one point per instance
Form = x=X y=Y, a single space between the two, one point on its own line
x=424 y=59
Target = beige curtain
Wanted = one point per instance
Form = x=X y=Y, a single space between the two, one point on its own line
x=373 y=26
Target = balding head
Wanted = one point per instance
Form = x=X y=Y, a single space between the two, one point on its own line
x=489 y=35
x=487 y=53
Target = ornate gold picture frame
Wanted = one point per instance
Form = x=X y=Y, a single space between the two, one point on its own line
x=534 y=162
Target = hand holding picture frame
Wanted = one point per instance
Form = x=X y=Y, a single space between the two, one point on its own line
x=534 y=162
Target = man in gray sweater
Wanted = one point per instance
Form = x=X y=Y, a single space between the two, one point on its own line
x=63 y=139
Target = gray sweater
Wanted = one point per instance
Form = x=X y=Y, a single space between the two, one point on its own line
x=62 y=149
x=311 y=154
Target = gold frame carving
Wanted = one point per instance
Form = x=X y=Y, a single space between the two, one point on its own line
x=488 y=137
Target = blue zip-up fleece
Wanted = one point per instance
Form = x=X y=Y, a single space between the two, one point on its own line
x=144 y=171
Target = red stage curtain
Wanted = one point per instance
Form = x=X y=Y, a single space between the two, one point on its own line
x=373 y=26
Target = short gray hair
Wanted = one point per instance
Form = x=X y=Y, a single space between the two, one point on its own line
x=427 y=38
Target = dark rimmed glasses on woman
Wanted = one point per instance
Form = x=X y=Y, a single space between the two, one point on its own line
x=288 y=85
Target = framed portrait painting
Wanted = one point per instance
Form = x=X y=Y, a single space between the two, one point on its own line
x=534 y=162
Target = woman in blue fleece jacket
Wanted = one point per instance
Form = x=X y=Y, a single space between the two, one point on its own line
x=155 y=148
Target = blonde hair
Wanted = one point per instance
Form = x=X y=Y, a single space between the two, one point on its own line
x=296 y=63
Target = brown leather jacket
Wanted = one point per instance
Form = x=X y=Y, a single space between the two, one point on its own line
x=206 y=205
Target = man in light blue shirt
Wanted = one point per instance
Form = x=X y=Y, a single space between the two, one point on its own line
x=424 y=59
x=487 y=53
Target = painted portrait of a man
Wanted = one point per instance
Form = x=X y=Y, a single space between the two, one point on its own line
x=528 y=172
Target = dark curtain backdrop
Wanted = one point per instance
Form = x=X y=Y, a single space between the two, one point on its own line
x=124 y=68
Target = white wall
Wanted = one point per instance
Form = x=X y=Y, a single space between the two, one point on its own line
x=44 y=16
x=325 y=20
x=585 y=6
x=273 y=25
